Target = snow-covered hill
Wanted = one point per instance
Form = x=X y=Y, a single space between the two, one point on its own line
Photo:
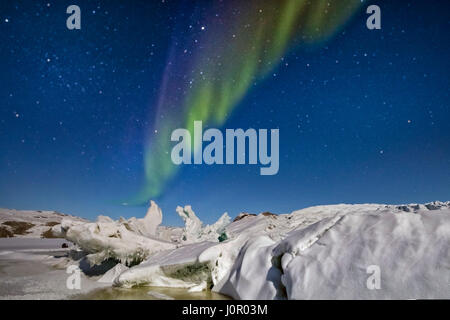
x=29 y=224
x=367 y=251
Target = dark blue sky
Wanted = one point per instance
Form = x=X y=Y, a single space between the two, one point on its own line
x=362 y=118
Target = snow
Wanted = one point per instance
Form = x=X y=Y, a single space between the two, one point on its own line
x=35 y=269
x=127 y=241
x=30 y=244
x=146 y=226
x=134 y=240
x=157 y=269
x=253 y=275
x=193 y=225
x=194 y=231
x=330 y=259
x=322 y=252
x=39 y=219
x=105 y=240
x=411 y=251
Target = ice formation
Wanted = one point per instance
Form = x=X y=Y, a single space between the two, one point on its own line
x=323 y=252
x=147 y=226
x=194 y=231
x=128 y=241
x=135 y=240
x=113 y=273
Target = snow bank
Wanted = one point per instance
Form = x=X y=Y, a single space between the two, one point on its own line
x=253 y=275
x=334 y=258
x=411 y=251
x=323 y=252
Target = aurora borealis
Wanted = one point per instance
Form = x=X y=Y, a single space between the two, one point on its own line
x=86 y=115
x=224 y=61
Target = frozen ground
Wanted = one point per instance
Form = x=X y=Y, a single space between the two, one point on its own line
x=30 y=245
x=31 y=269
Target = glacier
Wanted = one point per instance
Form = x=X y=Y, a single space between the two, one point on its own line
x=321 y=252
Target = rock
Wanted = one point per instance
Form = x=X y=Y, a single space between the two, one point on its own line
x=243 y=215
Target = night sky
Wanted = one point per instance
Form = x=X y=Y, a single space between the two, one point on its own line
x=363 y=116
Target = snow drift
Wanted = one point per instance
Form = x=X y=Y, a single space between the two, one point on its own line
x=323 y=252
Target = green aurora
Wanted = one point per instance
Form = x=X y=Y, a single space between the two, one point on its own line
x=232 y=52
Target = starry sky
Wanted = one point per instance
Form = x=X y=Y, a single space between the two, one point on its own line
x=363 y=116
